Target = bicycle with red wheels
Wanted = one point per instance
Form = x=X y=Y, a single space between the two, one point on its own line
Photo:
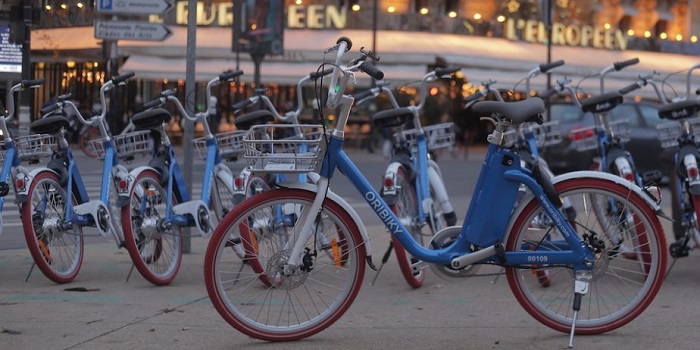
x=592 y=291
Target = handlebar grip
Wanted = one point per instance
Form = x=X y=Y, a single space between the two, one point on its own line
x=623 y=64
x=152 y=103
x=50 y=108
x=629 y=88
x=242 y=104
x=347 y=41
x=122 y=77
x=228 y=75
x=445 y=71
x=364 y=94
x=30 y=83
x=548 y=93
x=473 y=97
x=372 y=70
x=316 y=75
x=544 y=67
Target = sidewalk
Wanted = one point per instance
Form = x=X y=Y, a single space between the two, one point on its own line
x=99 y=310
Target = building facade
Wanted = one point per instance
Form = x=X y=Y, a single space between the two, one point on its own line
x=499 y=40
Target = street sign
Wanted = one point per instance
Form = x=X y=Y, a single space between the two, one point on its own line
x=134 y=7
x=131 y=30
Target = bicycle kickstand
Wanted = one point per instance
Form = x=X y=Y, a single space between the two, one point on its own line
x=580 y=289
x=384 y=260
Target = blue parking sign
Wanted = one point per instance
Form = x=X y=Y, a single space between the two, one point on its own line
x=105 y=4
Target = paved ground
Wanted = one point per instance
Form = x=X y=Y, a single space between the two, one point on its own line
x=99 y=310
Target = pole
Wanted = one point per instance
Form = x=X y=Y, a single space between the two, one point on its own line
x=190 y=83
x=25 y=96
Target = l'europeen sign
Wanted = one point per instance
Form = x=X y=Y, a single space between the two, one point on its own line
x=568 y=35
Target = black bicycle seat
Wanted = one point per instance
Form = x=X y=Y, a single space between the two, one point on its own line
x=248 y=120
x=601 y=103
x=392 y=117
x=151 y=118
x=679 y=110
x=529 y=110
x=49 y=125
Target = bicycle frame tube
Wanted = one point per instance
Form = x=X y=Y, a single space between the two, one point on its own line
x=75 y=187
x=177 y=188
x=213 y=158
x=11 y=161
x=421 y=164
x=498 y=183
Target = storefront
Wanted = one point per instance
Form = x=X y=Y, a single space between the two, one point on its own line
x=491 y=40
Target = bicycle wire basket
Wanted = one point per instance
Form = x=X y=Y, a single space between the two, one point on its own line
x=545 y=134
x=584 y=139
x=437 y=136
x=32 y=147
x=668 y=134
x=126 y=145
x=230 y=144
x=269 y=148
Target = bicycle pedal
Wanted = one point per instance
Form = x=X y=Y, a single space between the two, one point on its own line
x=4 y=189
x=678 y=250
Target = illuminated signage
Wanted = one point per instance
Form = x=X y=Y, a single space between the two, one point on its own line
x=10 y=54
x=569 y=35
x=298 y=16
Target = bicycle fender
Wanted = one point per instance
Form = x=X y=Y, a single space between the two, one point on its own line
x=124 y=196
x=345 y=205
x=21 y=196
x=388 y=193
x=591 y=174
x=686 y=149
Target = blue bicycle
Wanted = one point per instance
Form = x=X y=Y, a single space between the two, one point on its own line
x=157 y=202
x=54 y=201
x=412 y=183
x=16 y=149
x=312 y=291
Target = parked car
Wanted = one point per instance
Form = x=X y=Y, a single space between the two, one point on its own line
x=649 y=157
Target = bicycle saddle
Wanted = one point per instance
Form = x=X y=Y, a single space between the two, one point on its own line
x=246 y=121
x=49 y=125
x=151 y=118
x=679 y=110
x=601 y=103
x=392 y=117
x=529 y=110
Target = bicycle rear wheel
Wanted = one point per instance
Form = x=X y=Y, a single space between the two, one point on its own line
x=155 y=250
x=56 y=249
x=267 y=303
x=406 y=209
x=619 y=291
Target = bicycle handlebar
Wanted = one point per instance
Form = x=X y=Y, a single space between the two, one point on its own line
x=371 y=70
x=10 y=101
x=446 y=71
x=228 y=75
x=324 y=72
x=617 y=66
x=545 y=67
x=620 y=65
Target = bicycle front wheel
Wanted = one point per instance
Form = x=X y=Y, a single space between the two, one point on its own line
x=57 y=249
x=155 y=249
x=221 y=198
x=620 y=288
x=257 y=295
x=406 y=209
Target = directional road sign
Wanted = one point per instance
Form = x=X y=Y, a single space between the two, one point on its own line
x=134 y=7
x=131 y=30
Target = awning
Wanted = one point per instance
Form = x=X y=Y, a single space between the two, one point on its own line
x=404 y=57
